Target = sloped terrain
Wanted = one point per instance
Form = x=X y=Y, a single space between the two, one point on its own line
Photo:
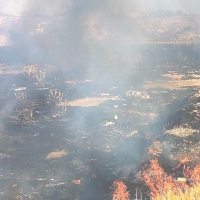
x=90 y=111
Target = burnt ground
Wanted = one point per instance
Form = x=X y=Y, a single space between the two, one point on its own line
x=106 y=130
x=126 y=82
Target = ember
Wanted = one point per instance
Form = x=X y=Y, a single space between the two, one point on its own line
x=155 y=149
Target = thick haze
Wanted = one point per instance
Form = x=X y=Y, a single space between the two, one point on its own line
x=51 y=7
x=114 y=68
x=47 y=7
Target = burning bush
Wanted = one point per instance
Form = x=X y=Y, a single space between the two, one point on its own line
x=164 y=187
x=120 y=192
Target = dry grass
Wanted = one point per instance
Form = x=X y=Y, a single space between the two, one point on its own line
x=197 y=94
x=181 y=131
x=76 y=182
x=142 y=95
x=88 y=102
x=56 y=154
x=4 y=69
x=174 y=76
x=176 y=82
x=30 y=71
x=132 y=133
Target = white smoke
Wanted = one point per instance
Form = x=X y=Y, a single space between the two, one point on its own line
x=46 y=7
x=12 y=7
x=52 y=7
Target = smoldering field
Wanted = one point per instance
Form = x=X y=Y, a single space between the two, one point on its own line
x=125 y=80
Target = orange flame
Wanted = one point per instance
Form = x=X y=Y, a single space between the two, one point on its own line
x=120 y=192
x=182 y=161
x=164 y=186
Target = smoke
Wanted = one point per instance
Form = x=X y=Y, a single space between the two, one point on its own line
x=46 y=7
x=64 y=40
x=87 y=39
x=52 y=7
x=12 y=7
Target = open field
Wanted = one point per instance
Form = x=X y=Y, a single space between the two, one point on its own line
x=74 y=122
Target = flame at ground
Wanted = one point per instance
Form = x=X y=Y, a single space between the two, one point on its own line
x=120 y=192
x=163 y=186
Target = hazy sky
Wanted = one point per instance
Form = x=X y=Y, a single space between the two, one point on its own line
x=17 y=7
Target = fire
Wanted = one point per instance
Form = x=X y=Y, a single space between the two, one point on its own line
x=193 y=175
x=120 y=192
x=155 y=149
x=163 y=186
x=182 y=161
